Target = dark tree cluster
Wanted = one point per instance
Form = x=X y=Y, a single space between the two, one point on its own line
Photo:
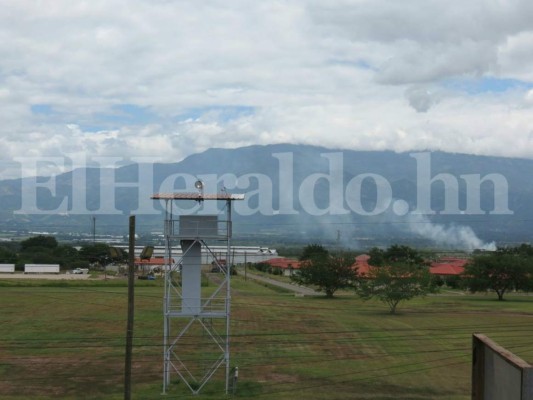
x=44 y=249
x=505 y=270
x=398 y=274
x=327 y=272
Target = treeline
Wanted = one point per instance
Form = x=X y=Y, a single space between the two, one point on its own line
x=401 y=273
x=46 y=250
x=505 y=270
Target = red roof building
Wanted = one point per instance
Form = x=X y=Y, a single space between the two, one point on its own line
x=283 y=263
x=154 y=261
x=361 y=263
x=287 y=266
x=448 y=266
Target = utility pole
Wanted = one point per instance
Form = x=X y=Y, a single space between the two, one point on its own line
x=245 y=265
x=129 y=329
x=94 y=229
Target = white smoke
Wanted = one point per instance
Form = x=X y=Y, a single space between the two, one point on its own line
x=456 y=236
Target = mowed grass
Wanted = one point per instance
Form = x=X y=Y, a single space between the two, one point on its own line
x=68 y=342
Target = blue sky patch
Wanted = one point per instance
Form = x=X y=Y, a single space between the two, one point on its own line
x=127 y=114
x=223 y=113
x=486 y=85
x=91 y=128
x=42 y=109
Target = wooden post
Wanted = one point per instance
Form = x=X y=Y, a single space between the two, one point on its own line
x=129 y=329
x=478 y=364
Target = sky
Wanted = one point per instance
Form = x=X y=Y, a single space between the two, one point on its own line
x=166 y=79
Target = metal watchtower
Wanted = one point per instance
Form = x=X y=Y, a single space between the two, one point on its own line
x=196 y=339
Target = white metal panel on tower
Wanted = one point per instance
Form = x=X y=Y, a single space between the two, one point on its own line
x=191 y=277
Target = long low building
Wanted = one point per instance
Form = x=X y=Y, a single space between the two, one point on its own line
x=41 y=268
x=238 y=254
x=7 y=268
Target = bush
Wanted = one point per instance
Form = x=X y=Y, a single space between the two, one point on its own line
x=7 y=256
x=438 y=281
x=453 y=282
x=263 y=267
x=77 y=264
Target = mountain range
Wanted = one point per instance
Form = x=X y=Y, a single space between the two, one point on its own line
x=297 y=193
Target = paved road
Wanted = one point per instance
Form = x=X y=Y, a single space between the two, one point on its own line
x=302 y=290
x=62 y=276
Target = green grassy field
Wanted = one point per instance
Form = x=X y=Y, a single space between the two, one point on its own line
x=66 y=341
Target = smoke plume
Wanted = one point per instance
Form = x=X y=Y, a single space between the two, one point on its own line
x=456 y=236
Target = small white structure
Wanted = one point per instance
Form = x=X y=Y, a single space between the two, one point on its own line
x=7 y=268
x=41 y=268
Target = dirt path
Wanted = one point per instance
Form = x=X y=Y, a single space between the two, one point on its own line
x=301 y=290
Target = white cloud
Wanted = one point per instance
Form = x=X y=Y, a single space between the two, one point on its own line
x=344 y=73
x=516 y=56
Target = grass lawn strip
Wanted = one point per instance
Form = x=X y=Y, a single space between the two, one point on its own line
x=68 y=341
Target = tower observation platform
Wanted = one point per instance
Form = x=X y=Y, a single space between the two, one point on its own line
x=196 y=337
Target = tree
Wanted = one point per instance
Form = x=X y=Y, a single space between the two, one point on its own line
x=37 y=255
x=7 y=256
x=46 y=250
x=96 y=253
x=398 y=274
x=67 y=256
x=524 y=249
x=328 y=273
x=48 y=242
x=65 y=251
x=313 y=251
x=501 y=272
x=395 y=254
